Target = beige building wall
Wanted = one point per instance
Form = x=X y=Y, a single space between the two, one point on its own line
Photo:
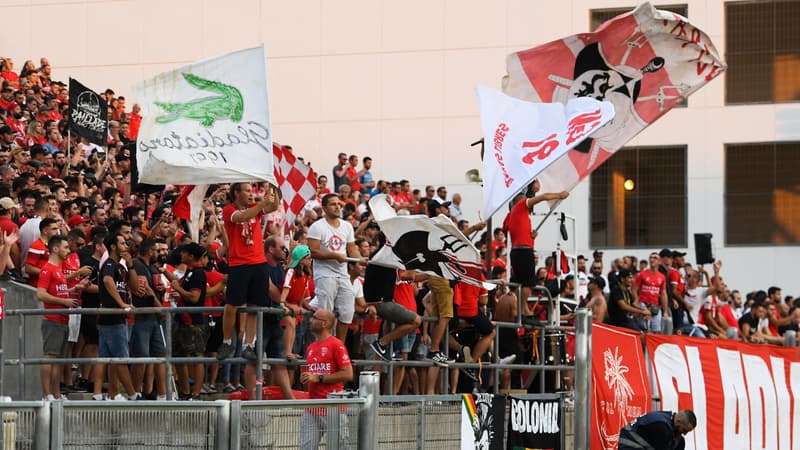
x=393 y=80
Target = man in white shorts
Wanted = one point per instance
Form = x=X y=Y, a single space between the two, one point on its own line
x=331 y=240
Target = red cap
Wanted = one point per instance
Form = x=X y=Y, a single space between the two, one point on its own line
x=76 y=220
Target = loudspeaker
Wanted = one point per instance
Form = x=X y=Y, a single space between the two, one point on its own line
x=702 y=248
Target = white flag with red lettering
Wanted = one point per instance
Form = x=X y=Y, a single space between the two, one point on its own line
x=522 y=139
x=645 y=62
x=296 y=180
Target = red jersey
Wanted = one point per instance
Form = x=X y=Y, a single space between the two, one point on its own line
x=727 y=312
x=676 y=279
x=466 y=296
x=245 y=239
x=325 y=358
x=518 y=225
x=214 y=278
x=53 y=280
x=298 y=285
x=38 y=255
x=370 y=326
x=70 y=266
x=8 y=226
x=404 y=295
x=650 y=286
x=710 y=304
x=352 y=175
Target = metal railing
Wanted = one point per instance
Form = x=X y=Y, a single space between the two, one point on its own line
x=364 y=422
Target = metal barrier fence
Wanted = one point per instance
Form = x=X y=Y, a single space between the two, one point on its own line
x=220 y=424
x=366 y=422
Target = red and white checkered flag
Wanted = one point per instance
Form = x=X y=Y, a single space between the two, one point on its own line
x=296 y=180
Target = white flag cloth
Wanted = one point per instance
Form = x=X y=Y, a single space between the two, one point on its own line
x=429 y=245
x=207 y=122
x=523 y=138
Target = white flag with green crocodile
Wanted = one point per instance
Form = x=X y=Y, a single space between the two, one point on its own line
x=207 y=122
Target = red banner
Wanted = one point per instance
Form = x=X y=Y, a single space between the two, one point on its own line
x=619 y=382
x=745 y=396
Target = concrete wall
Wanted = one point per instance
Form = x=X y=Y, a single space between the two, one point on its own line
x=394 y=80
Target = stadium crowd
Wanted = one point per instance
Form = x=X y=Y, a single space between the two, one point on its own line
x=73 y=228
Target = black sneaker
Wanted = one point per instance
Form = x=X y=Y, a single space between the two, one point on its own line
x=249 y=353
x=472 y=374
x=152 y=395
x=380 y=350
x=225 y=351
x=82 y=385
x=185 y=397
x=439 y=359
x=397 y=356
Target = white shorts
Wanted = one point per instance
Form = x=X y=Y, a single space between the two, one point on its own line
x=74 y=327
x=335 y=294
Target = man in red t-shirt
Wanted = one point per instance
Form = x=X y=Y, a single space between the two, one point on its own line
x=248 y=282
x=328 y=369
x=53 y=292
x=650 y=287
x=518 y=225
x=38 y=254
x=469 y=299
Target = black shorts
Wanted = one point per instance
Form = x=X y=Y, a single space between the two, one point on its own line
x=89 y=329
x=248 y=285
x=509 y=342
x=215 y=336
x=522 y=269
x=481 y=323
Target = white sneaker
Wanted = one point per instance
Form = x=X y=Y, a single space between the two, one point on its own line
x=98 y=397
x=508 y=359
x=49 y=398
x=119 y=398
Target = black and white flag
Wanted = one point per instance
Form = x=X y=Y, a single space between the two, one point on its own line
x=88 y=113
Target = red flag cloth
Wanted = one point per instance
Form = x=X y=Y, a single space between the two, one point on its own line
x=296 y=180
x=621 y=390
x=644 y=62
x=744 y=395
x=564 y=263
x=189 y=205
x=182 y=209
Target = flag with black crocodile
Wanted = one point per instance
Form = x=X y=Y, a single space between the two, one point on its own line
x=207 y=122
x=88 y=113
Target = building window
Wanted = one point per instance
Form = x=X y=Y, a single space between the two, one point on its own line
x=599 y=16
x=763 y=52
x=638 y=199
x=762 y=193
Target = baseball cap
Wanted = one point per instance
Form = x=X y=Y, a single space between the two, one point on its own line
x=665 y=253
x=597 y=252
x=76 y=220
x=676 y=253
x=299 y=252
x=7 y=203
x=581 y=257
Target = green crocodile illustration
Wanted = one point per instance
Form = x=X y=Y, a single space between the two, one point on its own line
x=206 y=110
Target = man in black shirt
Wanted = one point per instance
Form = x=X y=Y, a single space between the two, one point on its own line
x=147 y=339
x=621 y=305
x=191 y=330
x=90 y=298
x=112 y=328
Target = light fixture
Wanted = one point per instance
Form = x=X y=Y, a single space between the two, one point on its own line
x=629 y=184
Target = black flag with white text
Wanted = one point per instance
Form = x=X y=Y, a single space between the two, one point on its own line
x=88 y=113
